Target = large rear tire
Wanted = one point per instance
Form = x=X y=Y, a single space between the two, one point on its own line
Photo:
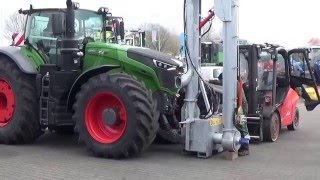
x=19 y=118
x=115 y=116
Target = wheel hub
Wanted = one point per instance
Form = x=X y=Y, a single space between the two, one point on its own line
x=106 y=117
x=110 y=117
x=6 y=102
x=3 y=101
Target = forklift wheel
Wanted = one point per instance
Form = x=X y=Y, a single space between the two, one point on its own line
x=271 y=128
x=295 y=122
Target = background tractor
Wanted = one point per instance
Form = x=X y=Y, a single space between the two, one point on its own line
x=135 y=37
x=66 y=76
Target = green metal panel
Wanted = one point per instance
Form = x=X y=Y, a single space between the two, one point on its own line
x=33 y=56
x=98 y=53
x=219 y=57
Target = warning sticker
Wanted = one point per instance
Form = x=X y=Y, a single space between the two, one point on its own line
x=215 y=121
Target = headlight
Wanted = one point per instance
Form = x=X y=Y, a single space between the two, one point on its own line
x=178 y=82
x=164 y=65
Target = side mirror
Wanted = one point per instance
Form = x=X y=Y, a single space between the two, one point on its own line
x=122 y=30
x=57 y=27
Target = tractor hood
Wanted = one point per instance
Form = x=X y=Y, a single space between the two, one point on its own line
x=145 y=55
x=168 y=70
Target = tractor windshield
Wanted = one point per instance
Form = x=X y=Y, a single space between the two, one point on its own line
x=39 y=30
x=87 y=24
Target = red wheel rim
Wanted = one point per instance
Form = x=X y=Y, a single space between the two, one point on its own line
x=7 y=102
x=100 y=131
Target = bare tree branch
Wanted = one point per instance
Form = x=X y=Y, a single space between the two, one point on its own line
x=169 y=41
x=14 y=24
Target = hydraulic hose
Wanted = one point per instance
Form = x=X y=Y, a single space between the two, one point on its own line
x=167 y=130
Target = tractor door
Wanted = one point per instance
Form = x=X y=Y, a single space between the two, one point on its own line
x=302 y=77
x=39 y=33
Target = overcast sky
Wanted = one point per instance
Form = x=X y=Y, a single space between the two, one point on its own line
x=286 y=22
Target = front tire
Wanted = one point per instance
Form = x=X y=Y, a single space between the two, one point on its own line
x=115 y=116
x=271 y=129
x=19 y=118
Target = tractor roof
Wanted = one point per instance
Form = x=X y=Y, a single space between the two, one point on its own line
x=31 y=11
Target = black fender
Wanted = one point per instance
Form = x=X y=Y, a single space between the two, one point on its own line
x=15 y=54
x=84 y=77
x=268 y=111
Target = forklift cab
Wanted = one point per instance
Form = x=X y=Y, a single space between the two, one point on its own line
x=273 y=77
x=270 y=87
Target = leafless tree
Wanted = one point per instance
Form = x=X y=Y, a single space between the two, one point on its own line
x=166 y=41
x=314 y=42
x=213 y=34
x=14 y=24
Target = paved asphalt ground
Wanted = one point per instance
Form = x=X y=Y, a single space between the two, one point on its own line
x=296 y=155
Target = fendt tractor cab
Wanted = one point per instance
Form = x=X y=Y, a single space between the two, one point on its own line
x=66 y=76
x=135 y=38
x=269 y=85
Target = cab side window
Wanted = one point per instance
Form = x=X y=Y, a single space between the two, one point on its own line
x=244 y=68
x=281 y=67
x=281 y=72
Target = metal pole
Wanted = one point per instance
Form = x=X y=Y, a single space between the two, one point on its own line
x=227 y=10
x=230 y=50
x=193 y=54
x=204 y=135
x=193 y=44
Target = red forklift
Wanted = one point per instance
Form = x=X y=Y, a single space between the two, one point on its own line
x=270 y=89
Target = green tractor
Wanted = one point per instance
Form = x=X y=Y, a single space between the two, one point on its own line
x=66 y=77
